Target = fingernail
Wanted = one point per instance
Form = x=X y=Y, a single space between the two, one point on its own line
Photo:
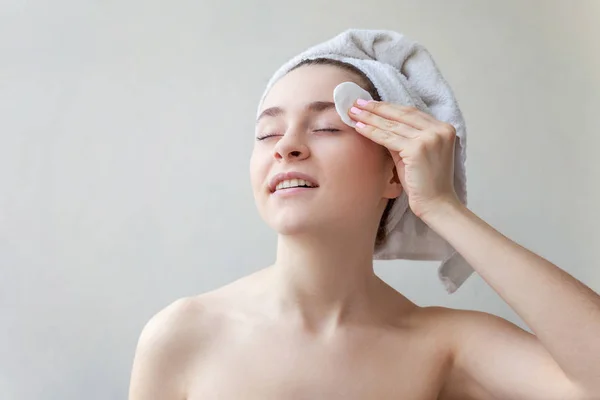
x=355 y=110
x=360 y=124
x=362 y=102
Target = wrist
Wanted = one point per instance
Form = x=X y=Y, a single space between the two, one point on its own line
x=441 y=210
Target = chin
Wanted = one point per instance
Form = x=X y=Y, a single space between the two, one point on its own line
x=292 y=225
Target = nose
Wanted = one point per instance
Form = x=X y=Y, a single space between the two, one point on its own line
x=291 y=147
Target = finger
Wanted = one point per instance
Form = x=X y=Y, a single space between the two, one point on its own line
x=384 y=124
x=408 y=114
x=392 y=141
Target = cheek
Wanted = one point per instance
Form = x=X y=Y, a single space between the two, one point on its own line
x=258 y=170
x=362 y=157
x=358 y=167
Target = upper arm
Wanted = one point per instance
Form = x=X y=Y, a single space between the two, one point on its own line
x=495 y=359
x=164 y=350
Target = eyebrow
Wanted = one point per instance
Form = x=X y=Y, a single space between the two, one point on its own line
x=315 y=106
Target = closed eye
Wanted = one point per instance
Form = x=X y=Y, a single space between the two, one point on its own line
x=317 y=130
x=264 y=137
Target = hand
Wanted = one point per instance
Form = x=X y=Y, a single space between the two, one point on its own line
x=421 y=146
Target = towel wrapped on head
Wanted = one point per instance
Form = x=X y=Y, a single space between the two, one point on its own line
x=403 y=72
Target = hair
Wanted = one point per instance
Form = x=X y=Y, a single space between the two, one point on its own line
x=369 y=87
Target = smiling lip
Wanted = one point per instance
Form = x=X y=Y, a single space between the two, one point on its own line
x=289 y=175
x=291 y=191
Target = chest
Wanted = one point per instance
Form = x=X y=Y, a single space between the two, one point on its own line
x=362 y=367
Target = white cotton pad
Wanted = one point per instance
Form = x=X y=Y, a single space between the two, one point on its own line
x=345 y=95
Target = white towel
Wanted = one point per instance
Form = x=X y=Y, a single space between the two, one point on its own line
x=403 y=72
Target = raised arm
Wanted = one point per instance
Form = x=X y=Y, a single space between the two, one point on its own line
x=495 y=358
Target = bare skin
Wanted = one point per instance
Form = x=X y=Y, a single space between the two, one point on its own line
x=319 y=324
x=227 y=344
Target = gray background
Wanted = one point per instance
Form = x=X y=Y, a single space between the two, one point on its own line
x=125 y=134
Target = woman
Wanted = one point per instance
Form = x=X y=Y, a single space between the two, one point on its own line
x=319 y=324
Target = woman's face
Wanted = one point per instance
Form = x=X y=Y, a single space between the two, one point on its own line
x=352 y=172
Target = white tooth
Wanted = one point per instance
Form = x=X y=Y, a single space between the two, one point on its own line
x=289 y=183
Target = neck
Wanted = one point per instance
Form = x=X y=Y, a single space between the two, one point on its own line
x=325 y=281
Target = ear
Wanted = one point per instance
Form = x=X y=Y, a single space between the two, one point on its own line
x=393 y=187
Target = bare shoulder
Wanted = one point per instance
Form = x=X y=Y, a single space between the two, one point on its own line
x=458 y=322
x=469 y=328
x=181 y=320
x=190 y=321
x=463 y=328
x=472 y=335
x=168 y=345
x=185 y=325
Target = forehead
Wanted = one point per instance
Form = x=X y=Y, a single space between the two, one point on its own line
x=307 y=84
